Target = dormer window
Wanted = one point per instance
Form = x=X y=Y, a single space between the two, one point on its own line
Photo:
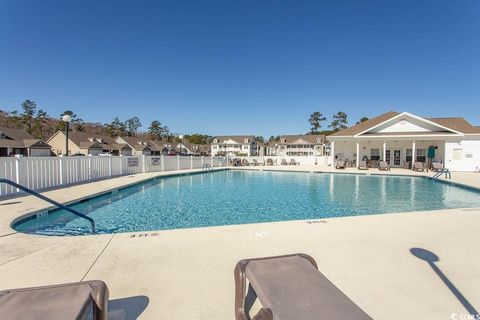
x=319 y=140
x=91 y=139
x=247 y=140
x=99 y=140
x=284 y=140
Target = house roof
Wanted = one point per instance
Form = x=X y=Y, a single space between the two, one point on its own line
x=82 y=139
x=19 y=138
x=140 y=144
x=454 y=123
x=237 y=139
x=311 y=138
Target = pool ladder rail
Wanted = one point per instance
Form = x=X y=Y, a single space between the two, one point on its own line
x=207 y=167
x=55 y=203
x=448 y=174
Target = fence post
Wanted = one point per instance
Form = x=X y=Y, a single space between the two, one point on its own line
x=161 y=161
x=178 y=162
x=89 y=167
x=17 y=171
x=202 y=161
x=109 y=166
x=60 y=167
x=191 y=162
x=143 y=163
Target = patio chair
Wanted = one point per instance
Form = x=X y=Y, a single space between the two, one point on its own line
x=418 y=166
x=269 y=162
x=383 y=165
x=256 y=163
x=245 y=163
x=340 y=164
x=284 y=162
x=437 y=166
x=293 y=162
x=295 y=291
x=362 y=165
x=63 y=301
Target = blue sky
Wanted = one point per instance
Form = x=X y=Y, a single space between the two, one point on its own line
x=241 y=67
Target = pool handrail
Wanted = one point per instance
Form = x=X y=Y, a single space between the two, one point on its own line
x=55 y=203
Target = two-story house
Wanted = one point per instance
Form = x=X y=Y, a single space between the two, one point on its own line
x=298 y=145
x=234 y=146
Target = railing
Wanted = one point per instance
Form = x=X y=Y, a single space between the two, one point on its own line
x=277 y=160
x=55 y=203
x=448 y=174
x=40 y=173
x=207 y=167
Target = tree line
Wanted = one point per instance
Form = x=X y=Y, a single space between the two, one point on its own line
x=40 y=125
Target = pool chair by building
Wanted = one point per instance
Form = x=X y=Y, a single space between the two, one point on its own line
x=295 y=291
x=80 y=300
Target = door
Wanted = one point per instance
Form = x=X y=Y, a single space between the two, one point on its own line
x=397 y=157
x=387 y=156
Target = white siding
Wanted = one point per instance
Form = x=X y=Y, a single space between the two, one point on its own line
x=463 y=155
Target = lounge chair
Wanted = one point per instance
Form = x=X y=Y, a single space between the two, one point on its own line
x=437 y=166
x=383 y=165
x=269 y=162
x=362 y=165
x=236 y=162
x=418 y=166
x=340 y=164
x=296 y=290
x=63 y=301
x=256 y=163
x=245 y=162
x=284 y=162
x=293 y=162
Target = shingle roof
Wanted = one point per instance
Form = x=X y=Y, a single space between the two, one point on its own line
x=237 y=139
x=106 y=143
x=356 y=129
x=454 y=123
x=311 y=138
x=19 y=138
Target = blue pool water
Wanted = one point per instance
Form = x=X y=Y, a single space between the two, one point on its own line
x=238 y=197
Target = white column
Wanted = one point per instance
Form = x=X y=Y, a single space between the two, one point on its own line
x=413 y=153
x=358 y=154
x=332 y=153
x=384 y=151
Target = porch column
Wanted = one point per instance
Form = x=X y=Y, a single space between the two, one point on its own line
x=358 y=154
x=384 y=151
x=332 y=152
x=413 y=153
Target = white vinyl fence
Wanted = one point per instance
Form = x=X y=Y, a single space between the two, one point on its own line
x=39 y=173
x=303 y=160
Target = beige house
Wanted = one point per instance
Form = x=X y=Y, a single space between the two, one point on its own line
x=401 y=138
x=297 y=145
x=19 y=142
x=234 y=146
x=88 y=144
x=142 y=146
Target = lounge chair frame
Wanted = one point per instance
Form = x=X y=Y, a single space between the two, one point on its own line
x=241 y=288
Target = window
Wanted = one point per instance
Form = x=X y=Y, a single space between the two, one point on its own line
x=421 y=155
x=408 y=155
x=245 y=147
x=375 y=154
x=214 y=147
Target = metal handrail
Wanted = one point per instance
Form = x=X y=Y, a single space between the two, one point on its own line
x=207 y=166
x=448 y=174
x=55 y=203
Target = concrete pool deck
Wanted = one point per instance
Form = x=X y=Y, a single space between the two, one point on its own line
x=188 y=273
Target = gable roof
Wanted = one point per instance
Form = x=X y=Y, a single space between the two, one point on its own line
x=141 y=144
x=362 y=126
x=237 y=139
x=453 y=123
x=310 y=138
x=82 y=140
x=19 y=138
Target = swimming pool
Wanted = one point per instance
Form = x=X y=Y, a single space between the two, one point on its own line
x=238 y=197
